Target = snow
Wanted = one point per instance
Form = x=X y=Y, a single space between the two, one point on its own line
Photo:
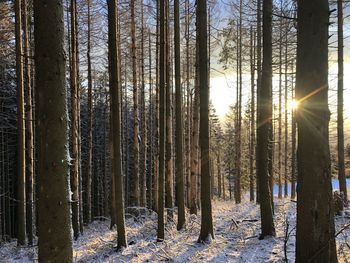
x=236 y=239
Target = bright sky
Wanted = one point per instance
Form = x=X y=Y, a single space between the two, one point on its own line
x=223 y=91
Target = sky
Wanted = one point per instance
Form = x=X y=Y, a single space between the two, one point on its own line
x=222 y=91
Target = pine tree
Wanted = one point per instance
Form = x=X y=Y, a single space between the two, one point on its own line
x=340 y=110
x=21 y=181
x=206 y=215
x=315 y=241
x=161 y=163
x=54 y=222
x=115 y=94
x=264 y=119
x=179 y=122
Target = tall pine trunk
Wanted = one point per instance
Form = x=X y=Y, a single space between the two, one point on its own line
x=315 y=240
x=264 y=119
x=115 y=93
x=29 y=127
x=169 y=189
x=21 y=178
x=161 y=175
x=89 y=164
x=135 y=180
x=54 y=222
x=179 y=122
x=74 y=122
x=206 y=216
x=340 y=110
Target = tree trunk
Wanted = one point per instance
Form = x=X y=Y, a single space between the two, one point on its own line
x=258 y=86
x=143 y=160
x=252 y=112
x=195 y=144
x=340 y=111
x=54 y=222
x=89 y=165
x=150 y=125
x=21 y=178
x=134 y=191
x=264 y=125
x=188 y=104
x=315 y=241
x=29 y=128
x=206 y=215
x=115 y=93
x=74 y=123
x=219 y=173
x=294 y=132
x=179 y=122
x=156 y=115
x=169 y=189
x=218 y=164
x=161 y=175
x=286 y=141
x=279 y=112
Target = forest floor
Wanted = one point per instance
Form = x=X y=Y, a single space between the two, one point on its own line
x=236 y=239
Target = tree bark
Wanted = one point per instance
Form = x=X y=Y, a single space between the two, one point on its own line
x=54 y=222
x=74 y=123
x=135 y=180
x=206 y=215
x=252 y=122
x=315 y=240
x=169 y=189
x=264 y=119
x=89 y=165
x=161 y=175
x=115 y=93
x=143 y=160
x=195 y=144
x=21 y=178
x=179 y=122
x=340 y=110
x=258 y=86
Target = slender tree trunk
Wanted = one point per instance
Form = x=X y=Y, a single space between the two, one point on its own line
x=143 y=160
x=286 y=141
x=89 y=165
x=294 y=132
x=150 y=124
x=135 y=180
x=115 y=93
x=169 y=189
x=279 y=114
x=340 y=111
x=258 y=86
x=195 y=145
x=54 y=222
x=179 y=122
x=157 y=115
x=21 y=178
x=29 y=128
x=238 y=194
x=206 y=215
x=74 y=123
x=218 y=164
x=315 y=240
x=161 y=175
x=264 y=125
x=252 y=112
x=188 y=104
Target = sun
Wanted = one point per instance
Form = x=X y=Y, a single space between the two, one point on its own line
x=293 y=104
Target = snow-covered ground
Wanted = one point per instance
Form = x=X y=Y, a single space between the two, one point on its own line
x=236 y=239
